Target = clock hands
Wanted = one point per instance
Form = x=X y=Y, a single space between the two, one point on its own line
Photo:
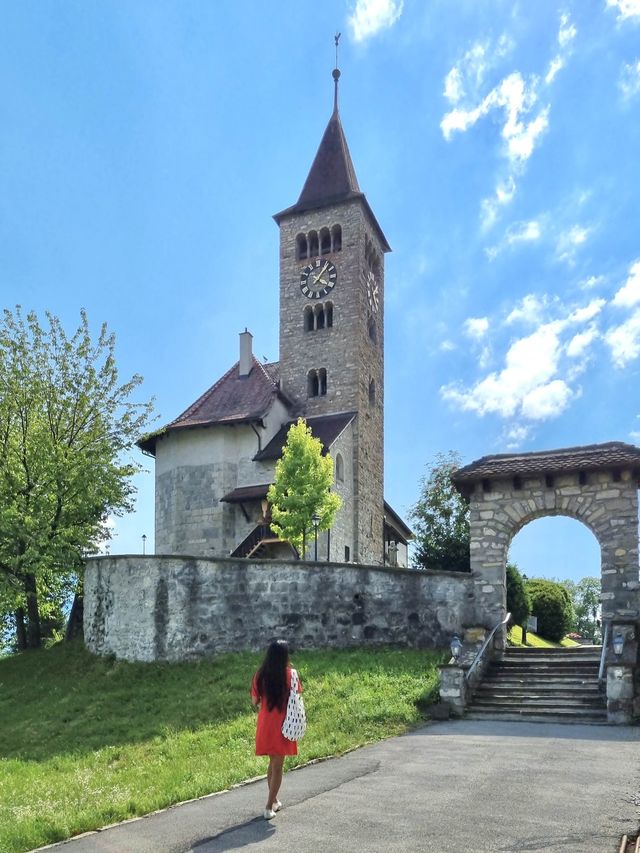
x=318 y=277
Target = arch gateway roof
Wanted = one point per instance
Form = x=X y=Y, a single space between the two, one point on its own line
x=590 y=457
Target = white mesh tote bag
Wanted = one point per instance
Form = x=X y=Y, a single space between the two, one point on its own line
x=295 y=721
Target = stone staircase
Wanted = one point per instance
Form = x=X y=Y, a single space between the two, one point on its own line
x=542 y=685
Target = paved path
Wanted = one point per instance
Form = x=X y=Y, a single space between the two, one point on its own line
x=478 y=786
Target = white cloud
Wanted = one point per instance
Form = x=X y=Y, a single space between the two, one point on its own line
x=570 y=241
x=519 y=232
x=555 y=65
x=629 y=81
x=530 y=363
x=579 y=343
x=371 y=16
x=453 y=86
x=447 y=346
x=516 y=435
x=626 y=8
x=588 y=312
x=592 y=281
x=629 y=293
x=505 y=191
x=567 y=31
x=528 y=310
x=547 y=401
x=516 y=98
x=476 y=327
x=624 y=340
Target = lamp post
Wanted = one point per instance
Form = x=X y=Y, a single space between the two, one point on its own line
x=618 y=644
x=524 y=627
x=315 y=518
x=456 y=648
x=144 y=543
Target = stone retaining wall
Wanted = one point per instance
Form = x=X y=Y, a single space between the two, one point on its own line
x=181 y=608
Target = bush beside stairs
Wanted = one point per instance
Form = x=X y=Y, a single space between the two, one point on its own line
x=542 y=685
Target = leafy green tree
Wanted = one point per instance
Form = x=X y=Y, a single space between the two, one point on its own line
x=441 y=519
x=302 y=488
x=551 y=604
x=585 y=595
x=66 y=423
x=518 y=603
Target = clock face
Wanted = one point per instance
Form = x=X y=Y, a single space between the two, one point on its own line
x=373 y=292
x=318 y=278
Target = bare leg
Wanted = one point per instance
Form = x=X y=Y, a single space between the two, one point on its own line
x=274 y=778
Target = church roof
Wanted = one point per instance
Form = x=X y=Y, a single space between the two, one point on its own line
x=590 y=457
x=234 y=399
x=325 y=427
x=332 y=178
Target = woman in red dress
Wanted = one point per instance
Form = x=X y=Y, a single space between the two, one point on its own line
x=270 y=690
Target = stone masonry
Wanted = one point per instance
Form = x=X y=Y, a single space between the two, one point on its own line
x=172 y=608
x=352 y=357
x=607 y=506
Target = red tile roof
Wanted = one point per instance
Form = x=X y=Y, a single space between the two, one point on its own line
x=233 y=399
x=590 y=457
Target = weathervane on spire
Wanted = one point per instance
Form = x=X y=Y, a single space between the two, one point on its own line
x=336 y=74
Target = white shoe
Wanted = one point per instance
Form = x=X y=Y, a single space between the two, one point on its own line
x=269 y=814
x=277 y=806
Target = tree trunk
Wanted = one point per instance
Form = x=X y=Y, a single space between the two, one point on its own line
x=34 y=639
x=21 y=631
x=74 y=624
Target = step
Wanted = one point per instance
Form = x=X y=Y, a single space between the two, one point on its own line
x=545 y=669
x=539 y=689
x=537 y=702
x=600 y=720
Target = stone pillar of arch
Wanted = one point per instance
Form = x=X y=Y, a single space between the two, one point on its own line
x=597 y=485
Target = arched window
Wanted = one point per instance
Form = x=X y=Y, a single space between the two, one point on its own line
x=313 y=244
x=322 y=381
x=339 y=469
x=320 y=318
x=336 y=238
x=372 y=392
x=372 y=330
x=328 y=314
x=312 y=384
x=301 y=247
x=308 y=318
x=325 y=241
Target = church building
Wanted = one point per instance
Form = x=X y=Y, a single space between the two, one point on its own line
x=214 y=463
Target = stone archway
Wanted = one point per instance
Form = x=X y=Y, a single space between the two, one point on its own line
x=597 y=485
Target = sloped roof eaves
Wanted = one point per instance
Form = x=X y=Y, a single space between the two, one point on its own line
x=249 y=400
x=327 y=428
x=394 y=520
x=590 y=457
x=341 y=199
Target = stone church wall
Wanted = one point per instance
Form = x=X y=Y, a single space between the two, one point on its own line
x=173 y=608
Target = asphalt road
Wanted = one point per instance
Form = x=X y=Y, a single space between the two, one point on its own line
x=457 y=786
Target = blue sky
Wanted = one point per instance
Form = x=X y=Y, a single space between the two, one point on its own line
x=145 y=145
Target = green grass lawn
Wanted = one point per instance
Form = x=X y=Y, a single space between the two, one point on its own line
x=87 y=741
x=533 y=640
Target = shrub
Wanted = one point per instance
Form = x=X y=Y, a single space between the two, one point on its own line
x=518 y=603
x=551 y=603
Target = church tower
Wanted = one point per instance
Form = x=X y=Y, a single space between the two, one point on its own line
x=332 y=319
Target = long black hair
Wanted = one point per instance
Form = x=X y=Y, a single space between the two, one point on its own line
x=271 y=678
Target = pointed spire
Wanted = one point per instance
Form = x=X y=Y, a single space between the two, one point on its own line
x=332 y=178
x=336 y=76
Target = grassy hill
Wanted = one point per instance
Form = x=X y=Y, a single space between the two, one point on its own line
x=87 y=741
x=533 y=640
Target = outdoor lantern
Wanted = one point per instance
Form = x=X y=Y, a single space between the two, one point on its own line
x=618 y=644
x=456 y=648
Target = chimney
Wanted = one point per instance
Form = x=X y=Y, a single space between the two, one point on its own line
x=246 y=354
